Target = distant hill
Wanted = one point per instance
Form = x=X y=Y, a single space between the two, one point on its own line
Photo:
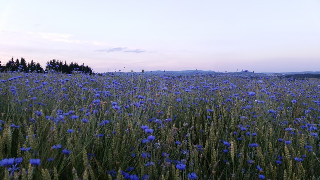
x=302 y=76
x=296 y=75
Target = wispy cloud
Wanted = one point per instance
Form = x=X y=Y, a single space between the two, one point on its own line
x=135 y=51
x=71 y=39
x=120 y=49
x=111 y=49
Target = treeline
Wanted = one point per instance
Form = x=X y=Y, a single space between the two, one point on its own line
x=21 y=66
x=52 y=65
x=57 y=65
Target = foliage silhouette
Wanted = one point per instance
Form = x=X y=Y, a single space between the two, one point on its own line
x=52 y=65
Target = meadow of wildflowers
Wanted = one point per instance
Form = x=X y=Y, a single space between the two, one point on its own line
x=158 y=126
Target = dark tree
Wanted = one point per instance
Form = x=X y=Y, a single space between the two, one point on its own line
x=52 y=65
x=59 y=66
x=21 y=66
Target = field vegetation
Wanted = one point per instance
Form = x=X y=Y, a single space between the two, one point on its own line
x=139 y=126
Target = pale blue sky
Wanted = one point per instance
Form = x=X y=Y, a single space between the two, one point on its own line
x=264 y=35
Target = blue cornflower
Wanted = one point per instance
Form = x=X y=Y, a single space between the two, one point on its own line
x=145 y=155
x=243 y=129
x=209 y=110
x=7 y=162
x=151 y=138
x=85 y=120
x=254 y=134
x=287 y=142
x=145 y=141
x=15 y=126
x=261 y=176
x=178 y=143
x=314 y=134
x=58 y=146
x=126 y=175
x=65 y=151
x=149 y=131
x=225 y=150
x=149 y=163
x=104 y=122
x=112 y=172
x=145 y=177
x=99 y=135
x=226 y=143
x=165 y=154
x=133 y=177
x=12 y=169
x=253 y=145
x=32 y=120
x=25 y=149
x=271 y=111
x=90 y=156
x=38 y=113
x=74 y=117
x=278 y=162
x=250 y=93
x=192 y=175
x=130 y=169
x=70 y=131
x=96 y=102
x=35 y=162
x=181 y=166
x=308 y=147
x=200 y=147
x=18 y=160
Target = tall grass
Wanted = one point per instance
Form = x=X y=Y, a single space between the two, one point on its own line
x=160 y=126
